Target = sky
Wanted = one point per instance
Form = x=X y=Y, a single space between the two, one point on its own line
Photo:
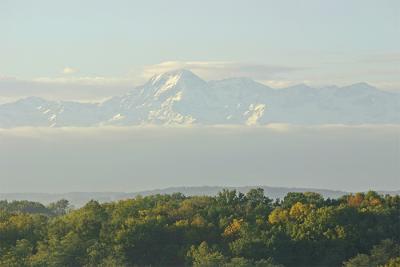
x=93 y=49
x=129 y=159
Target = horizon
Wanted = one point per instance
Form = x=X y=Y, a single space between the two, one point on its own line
x=166 y=189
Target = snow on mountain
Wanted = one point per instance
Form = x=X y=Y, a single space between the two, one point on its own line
x=35 y=111
x=181 y=97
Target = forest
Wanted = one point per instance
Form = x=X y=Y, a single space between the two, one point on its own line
x=229 y=229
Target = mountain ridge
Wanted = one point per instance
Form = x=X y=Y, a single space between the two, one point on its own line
x=182 y=98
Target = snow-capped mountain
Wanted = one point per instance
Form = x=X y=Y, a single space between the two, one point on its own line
x=181 y=97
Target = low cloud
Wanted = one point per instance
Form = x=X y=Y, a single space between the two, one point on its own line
x=85 y=89
x=88 y=81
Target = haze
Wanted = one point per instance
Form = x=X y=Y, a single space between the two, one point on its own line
x=129 y=159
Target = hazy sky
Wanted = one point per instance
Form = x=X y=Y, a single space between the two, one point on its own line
x=129 y=159
x=117 y=44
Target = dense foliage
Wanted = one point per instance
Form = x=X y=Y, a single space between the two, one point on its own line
x=231 y=229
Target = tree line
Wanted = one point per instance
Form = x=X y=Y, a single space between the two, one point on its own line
x=230 y=229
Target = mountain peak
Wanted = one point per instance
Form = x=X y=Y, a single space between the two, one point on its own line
x=180 y=79
x=177 y=75
x=184 y=72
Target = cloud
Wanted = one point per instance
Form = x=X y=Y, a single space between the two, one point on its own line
x=212 y=70
x=86 y=80
x=86 y=89
x=69 y=70
x=281 y=83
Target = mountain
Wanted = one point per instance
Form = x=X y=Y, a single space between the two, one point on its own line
x=182 y=98
x=80 y=198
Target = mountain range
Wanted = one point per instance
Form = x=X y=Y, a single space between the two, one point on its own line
x=181 y=98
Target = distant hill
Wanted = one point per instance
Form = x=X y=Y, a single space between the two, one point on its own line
x=80 y=198
x=182 y=98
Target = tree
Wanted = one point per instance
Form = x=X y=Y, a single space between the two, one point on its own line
x=231 y=229
x=278 y=215
x=18 y=256
x=60 y=207
x=292 y=198
x=384 y=253
x=204 y=256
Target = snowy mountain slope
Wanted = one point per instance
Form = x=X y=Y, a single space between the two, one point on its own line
x=181 y=97
x=34 y=111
